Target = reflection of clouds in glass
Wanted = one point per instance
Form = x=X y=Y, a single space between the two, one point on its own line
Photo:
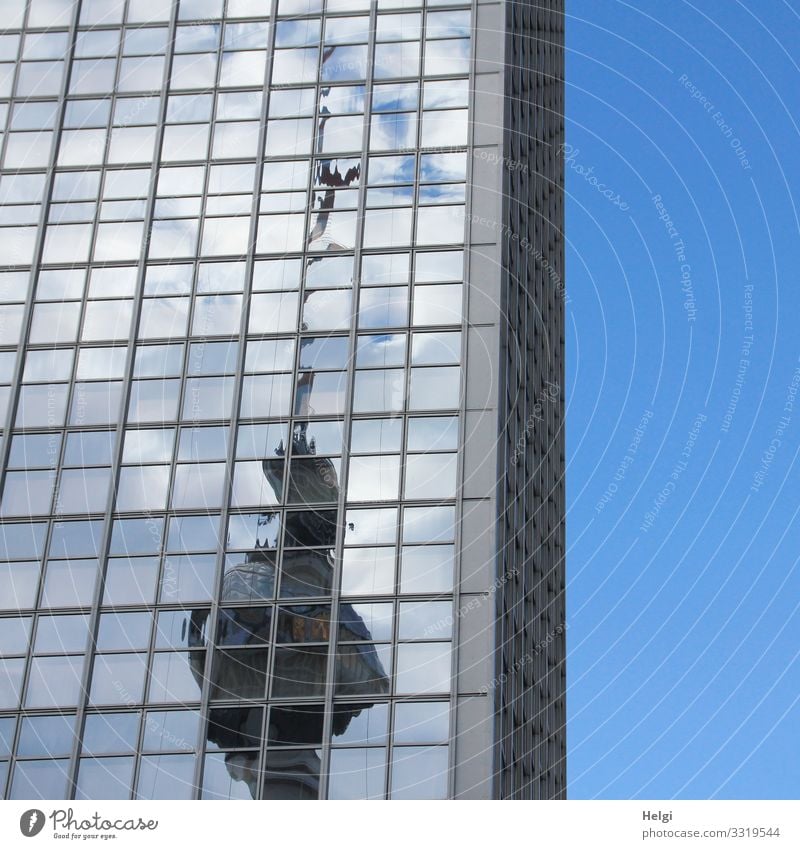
x=344 y=63
x=374 y=478
x=440 y=225
x=387 y=228
x=170 y=239
x=391 y=169
x=393 y=131
x=280 y=233
x=371 y=527
x=419 y=772
x=381 y=350
x=383 y=307
x=342 y=98
x=386 y=98
x=428 y=524
x=320 y=393
x=368 y=571
x=447 y=57
x=288 y=137
x=426 y=569
x=297 y=65
x=339 y=133
x=381 y=390
x=431 y=476
x=330 y=271
x=327 y=309
x=396 y=60
x=433 y=348
x=332 y=230
x=290 y=103
x=384 y=268
x=442 y=167
x=438 y=94
x=344 y=30
x=297 y=33
x=444 y=129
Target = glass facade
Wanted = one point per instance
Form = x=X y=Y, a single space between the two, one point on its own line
x=231 y=339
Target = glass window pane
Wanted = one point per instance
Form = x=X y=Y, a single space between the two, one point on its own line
x=176 y=677
x=423 y=668
x=431 y=476
x=198 y=485
x=62 y=634
x=118 y=679
x=188 y=578
x=368 y=571
x=83 y=490
x=96 y=403
x=11 y=673
x=40 y=780
x=54 y=682
x=142 y=488
x=357 y=774
x=419 y=773
x=130 y=581
x=104 y=778
x=166 y=777
x=18 y=585
x=47 y=736
x=373 y=478
x=360 y=723
x=434 y=388
x=239 y=674
x=109 y=733
x=233 y=775
x=124 y=631
x=379 y=391
x=69 y=583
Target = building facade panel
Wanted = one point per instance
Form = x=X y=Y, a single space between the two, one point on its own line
x=251 y=324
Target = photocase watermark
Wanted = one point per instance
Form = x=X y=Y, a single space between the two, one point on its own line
x=626 y=462
x=527 y=658
x=571 y=155
x=666 y=492
x=718 y=118
x=768 y=457
x=548 y=395
x=689 y=303
x=744 y=360
x=93 y=827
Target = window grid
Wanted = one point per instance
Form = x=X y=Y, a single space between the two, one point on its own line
x=353 y=334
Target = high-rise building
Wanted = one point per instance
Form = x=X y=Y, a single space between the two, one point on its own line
x=281 y=354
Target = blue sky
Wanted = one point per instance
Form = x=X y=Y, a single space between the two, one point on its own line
x=683 y=365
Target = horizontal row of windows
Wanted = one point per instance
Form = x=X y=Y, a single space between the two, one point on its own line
x=417 y=772
x=244 y=69
x=366 y=572
x=86 y=449
x=220 y=276
x=276 y=234
x=52 y=14
x=131 y=537
x=292 y=671
x=201 y=486
x=101 y=42
x=239 y=140
x=56 y=323
x=239 y=625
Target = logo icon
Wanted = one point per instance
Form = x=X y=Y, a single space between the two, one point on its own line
x=31 y=822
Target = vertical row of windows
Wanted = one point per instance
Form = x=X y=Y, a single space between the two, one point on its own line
x=229 y=501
